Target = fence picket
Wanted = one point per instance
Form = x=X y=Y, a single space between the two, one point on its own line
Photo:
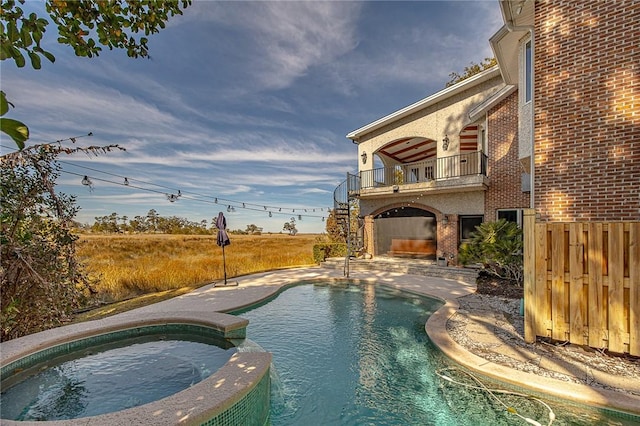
x=616 y=318
x=542 y=324
x=634 y=290
x=577 y=305
x=529 y=261
x=557 y=282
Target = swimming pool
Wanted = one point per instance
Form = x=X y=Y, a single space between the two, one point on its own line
x=112 y=377
x=359 y=354
x=237 y=393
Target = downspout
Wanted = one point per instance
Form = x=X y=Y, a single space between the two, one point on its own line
x=530 y=29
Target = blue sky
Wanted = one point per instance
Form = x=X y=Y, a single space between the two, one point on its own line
x=244 y=101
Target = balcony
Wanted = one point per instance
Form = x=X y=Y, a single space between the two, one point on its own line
x=456 y=173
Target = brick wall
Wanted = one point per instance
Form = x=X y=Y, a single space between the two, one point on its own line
x=504 y=170
x=448 y=238
x=587 y=110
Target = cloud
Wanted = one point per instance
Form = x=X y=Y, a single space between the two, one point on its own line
x=286 y=39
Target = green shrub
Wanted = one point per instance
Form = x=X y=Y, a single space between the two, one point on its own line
x=324 y=250
x=497 y=246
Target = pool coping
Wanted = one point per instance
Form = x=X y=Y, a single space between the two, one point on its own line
x=195 y=405
x=436 y=328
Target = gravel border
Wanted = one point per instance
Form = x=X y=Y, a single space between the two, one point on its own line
x=597 y=368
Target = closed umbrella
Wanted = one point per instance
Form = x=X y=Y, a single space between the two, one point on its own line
x=223 y=240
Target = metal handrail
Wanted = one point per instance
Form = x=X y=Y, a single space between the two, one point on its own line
x=344 y=191
x=468 y=164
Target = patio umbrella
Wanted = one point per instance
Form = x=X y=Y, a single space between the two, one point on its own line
x=223 y=240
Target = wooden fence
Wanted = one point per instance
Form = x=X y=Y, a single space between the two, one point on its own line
x=582 y=283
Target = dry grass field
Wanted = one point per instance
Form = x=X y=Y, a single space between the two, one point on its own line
x=124 y=266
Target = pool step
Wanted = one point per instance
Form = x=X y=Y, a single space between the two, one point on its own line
x=405 y=266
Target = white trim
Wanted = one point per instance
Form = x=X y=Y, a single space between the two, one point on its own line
x=482 y=108
x=523 y=73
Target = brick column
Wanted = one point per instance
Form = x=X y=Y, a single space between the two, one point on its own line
x=369 y=240
x=448 y=236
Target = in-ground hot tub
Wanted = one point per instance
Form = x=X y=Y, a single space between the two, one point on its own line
x=238 y=391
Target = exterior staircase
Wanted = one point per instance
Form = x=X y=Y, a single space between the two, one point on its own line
x=353 y=237
x=405 y=266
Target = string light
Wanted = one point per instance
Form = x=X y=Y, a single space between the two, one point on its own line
x=126 y=181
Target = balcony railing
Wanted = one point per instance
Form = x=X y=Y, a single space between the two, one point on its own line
x=432 y=170
x=472 y=163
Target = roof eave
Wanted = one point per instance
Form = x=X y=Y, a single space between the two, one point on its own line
x=428 y=101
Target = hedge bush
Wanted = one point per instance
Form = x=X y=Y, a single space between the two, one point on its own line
x=497 y=246
x=324 y=250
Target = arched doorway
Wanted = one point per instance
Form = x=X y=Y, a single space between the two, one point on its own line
x=406 y=232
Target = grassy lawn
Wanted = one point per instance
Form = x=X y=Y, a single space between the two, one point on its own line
x=130 y=271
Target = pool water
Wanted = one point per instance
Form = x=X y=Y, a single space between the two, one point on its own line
x=359 y=355
x=110 y=378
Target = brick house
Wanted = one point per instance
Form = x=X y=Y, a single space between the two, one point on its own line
x=430 y=172
x=555 y=127
x=577 y=64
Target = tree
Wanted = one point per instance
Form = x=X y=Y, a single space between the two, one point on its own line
x=335 y=229
x=152 y=220
x=253 y=229
x=107 y=224
x=471 y=70
x=290 y=226
x=15 y=129
x=84 y=25
x=41 y=279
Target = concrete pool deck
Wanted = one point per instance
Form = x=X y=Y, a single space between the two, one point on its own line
x=257 y=287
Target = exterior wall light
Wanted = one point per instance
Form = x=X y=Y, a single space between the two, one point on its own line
x=364 y=157
x=445 y=143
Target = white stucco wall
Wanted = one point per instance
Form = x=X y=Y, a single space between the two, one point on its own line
x=447 y=117
x=461 y=203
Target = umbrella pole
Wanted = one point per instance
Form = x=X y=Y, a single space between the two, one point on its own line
x=224 y=266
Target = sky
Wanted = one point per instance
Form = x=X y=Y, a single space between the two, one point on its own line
x=248 y=103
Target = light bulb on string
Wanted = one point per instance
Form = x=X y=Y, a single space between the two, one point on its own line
x=87 y=182
x=126 y=182
x=270 y=214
